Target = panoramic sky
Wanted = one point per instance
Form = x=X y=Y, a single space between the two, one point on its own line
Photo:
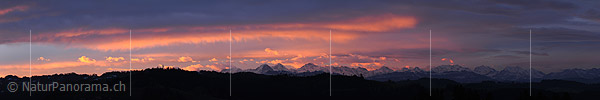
x=93 y=37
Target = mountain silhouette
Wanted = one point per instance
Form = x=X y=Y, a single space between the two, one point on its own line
x=453 y=72
x=174 y=83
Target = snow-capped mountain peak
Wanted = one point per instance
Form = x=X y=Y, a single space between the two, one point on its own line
x=485 y=70
x=263 y=69
x=310 y=67
x=382 y=70
x=279 y=67
x=575 y=73
x=418 y=70
x=513 y=73
x=453 y=72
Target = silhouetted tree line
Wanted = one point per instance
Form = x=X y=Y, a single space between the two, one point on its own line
x=177 y=84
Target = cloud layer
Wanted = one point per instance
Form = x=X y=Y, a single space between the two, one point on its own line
x=93 y=36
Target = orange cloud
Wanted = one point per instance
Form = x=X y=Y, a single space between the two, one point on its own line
x=287 y=63
x=449 y=60
x=397 y=60
x=368 y=23
x=298 y=57
x=156 y=55
x=81 y=31
x=348 y=30
x=284 y=52
x=143 y=60
x=262 y=62
x=185 y=59
x=213 y=60
x=12 y=9
x=57 y=66
x=376 y=23
x=197 y=67
x=271 y=51
x=213 y=67
x=43 y=59
x=275 y=61
x=85 y=59
x=165 y=66
x=120 y=69
x=122 y=43
x=114 y=59
x=382 y=58
x=362 y=57
x=366 y=65
x=335 y=64
x=16 y=8
x=51 y=65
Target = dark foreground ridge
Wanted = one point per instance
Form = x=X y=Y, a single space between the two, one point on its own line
x=176 y=84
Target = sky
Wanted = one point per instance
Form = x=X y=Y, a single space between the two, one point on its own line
x=92 y=37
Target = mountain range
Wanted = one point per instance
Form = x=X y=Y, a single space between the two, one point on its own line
x=453 y=72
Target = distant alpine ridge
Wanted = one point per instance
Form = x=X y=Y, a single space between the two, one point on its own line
x=452 y=72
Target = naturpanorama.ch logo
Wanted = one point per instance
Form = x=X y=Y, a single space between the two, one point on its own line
x=64 y=87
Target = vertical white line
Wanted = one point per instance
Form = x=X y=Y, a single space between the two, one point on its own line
x=230 y=67
x=130 y=70
x=30 y=76
x=530 y=62
x=330 y=68
x=430 y=63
